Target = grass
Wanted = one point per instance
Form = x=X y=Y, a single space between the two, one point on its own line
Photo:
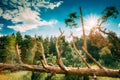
x=26 y=75
x=108 y=78
x=21 y=75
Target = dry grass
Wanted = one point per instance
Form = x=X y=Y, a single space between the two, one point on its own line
x=22 y=75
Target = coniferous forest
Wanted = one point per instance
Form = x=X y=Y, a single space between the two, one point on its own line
x=104 y=52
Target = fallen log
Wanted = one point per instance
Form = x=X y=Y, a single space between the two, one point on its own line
x=58 y=70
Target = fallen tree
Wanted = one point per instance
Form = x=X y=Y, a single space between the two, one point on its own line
x=58 y=70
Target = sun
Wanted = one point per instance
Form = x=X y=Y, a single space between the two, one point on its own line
x=91 y=21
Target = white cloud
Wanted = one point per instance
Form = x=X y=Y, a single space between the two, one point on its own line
x=86 y=28
x=30 y=20
x=28 y=17
x=46 y=4
x=53 y=5
x=25 y=26
x=33 y=3
x=119 y=25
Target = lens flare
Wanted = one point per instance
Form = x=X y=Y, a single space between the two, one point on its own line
x=91 y=21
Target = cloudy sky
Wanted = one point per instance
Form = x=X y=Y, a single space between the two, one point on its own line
x=45 y=17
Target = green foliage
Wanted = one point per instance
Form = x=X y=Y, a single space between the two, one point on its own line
x=51 y=59
x=71 y=20
x=28 y=57
x=94 y=51
x=110 y=11
x=27 y=42
x=42 y=76
x=7 y=49
x=115 y=46
x=74 y=77
x=39 y=38
x=46 y=45
x=3 y=52
x=108 y=61
x=58 y=77
x=79 y=43
x=27 y=54
x=19 y=38
x=52 y=49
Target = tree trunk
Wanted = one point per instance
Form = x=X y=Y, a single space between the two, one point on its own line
x=58 y=70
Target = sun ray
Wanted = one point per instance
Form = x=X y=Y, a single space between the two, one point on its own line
x=91 y=21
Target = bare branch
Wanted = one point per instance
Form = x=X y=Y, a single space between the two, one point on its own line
x=84 y=36
x=43 y=55
x=93 y=59
x=18 y=54
x=85 y=43
x=115 y=38
x=59 y=53
x=43 y=61
x=35 y=45
x=78 y=53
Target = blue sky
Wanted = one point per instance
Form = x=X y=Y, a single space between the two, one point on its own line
x=45 y=17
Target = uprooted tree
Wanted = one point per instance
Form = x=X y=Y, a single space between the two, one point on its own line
x=61 y=68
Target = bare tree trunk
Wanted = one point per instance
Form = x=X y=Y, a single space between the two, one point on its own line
x=83 y=29
x=85 y=43
x=18 y=54
x=78 y=53
x=59 y=53
x=58 y=70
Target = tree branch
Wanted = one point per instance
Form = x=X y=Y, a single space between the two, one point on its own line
x=93 y=59
x=59 y=53
x=35 y=45
x=82 y=22
x=18 y=54
x=115 y=38
x=85 y=43
x=78 y=53
x=43 y=55
x=43 y=60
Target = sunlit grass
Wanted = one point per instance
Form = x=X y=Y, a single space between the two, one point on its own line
x=26 y=75
x=22 y=75
x=108 y=78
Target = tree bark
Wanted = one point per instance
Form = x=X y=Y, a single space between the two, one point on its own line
x=83 y=29
x=78 y=53
x=18 y=54
x=59 y=53
x=58 y=70
x=85 y=43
